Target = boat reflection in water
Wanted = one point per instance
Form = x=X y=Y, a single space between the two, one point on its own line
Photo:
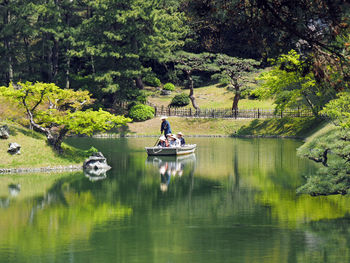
x=172 y=166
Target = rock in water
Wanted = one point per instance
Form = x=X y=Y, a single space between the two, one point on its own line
x=14 y=189
x=96 y=162
x=14 y=148
x=4 y=132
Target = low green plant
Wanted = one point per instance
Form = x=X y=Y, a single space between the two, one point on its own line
x=152 y=80
x=141 y=112
x=180 y=100
x=169 y=86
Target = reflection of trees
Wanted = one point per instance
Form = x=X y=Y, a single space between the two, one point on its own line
x=244 y=209
x=43 y=223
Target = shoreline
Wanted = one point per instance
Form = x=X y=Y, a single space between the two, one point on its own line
x=115 y=136
x=67 y=168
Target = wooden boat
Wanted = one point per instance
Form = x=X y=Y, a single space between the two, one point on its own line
x=161 y=151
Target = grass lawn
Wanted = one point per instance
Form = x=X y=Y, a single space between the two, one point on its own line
x=212 y=96
x=189 y=126
x=34 y=151
x=285 y=127
x=294 y=127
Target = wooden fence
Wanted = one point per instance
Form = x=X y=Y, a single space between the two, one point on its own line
x=228 y=113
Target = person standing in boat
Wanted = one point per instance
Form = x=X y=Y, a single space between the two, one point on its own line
x=165 y=126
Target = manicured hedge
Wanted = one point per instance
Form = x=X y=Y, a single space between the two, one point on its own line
x=141 y=112
x=180 y=100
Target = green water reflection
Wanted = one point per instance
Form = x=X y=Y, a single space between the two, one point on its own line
x=233 y=201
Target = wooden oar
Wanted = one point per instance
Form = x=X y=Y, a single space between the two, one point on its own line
x=157 y=141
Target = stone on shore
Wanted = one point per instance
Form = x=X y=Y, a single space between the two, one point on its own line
x=14 y=148
x=4 y=132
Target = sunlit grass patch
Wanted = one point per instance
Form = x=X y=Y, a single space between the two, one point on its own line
x=212 y=96
x=35 y=152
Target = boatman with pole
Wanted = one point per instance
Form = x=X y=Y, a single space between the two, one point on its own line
x=165 y=127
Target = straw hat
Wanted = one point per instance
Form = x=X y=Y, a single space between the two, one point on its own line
x=169 y=134
x=162 y=138
x=163 y=117
x=179 y=133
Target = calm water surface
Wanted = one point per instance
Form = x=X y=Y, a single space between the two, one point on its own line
x=233 y=201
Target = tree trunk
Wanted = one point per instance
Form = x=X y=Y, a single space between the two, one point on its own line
x=57 y=144
x=7 y=43
x=139 y=83
x=236 y=98
x=54 y=59
x=53 y=140
x=67 y=70
x=191 y=96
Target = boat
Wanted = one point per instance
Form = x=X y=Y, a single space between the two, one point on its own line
x=179 y=150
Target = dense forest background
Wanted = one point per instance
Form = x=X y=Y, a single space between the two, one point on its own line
x=109 y=47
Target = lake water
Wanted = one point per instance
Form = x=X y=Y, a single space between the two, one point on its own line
x=233 y=201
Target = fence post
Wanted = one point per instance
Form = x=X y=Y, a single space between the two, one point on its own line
x=281 y=113
x=258 y=113
x=155 y=111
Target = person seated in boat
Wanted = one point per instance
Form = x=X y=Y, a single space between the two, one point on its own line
x=174 y=141
x=168 y=139
x=165 y=126
x=163 y=142
x=181 y=138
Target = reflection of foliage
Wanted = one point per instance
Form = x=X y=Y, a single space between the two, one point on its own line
x=61 y=213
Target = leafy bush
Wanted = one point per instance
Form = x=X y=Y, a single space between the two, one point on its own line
x=141 y=112
x=169 y=86
x=180 y=100
x=152 y=80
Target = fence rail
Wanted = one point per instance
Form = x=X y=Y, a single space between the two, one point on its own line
x=229 y=113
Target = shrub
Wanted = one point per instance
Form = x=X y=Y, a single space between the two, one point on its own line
x=180 y=100
x=152 y=81
x=169 y=86
x=141 y=112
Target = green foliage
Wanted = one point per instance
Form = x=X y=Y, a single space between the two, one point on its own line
x=152 y=80
x=180 y=100
x=92 y=150
x=291 y=83
x=332 y=149
x=169 y=86
x=339 y=110
x=141 y=112
x=55 y=111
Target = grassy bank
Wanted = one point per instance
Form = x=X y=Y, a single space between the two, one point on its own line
x=212 y=97
x=285 y=127
x=35 y=152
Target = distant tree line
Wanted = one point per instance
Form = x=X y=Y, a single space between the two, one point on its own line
x=107 y=47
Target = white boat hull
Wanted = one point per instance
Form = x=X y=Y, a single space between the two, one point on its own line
x=168 y=151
